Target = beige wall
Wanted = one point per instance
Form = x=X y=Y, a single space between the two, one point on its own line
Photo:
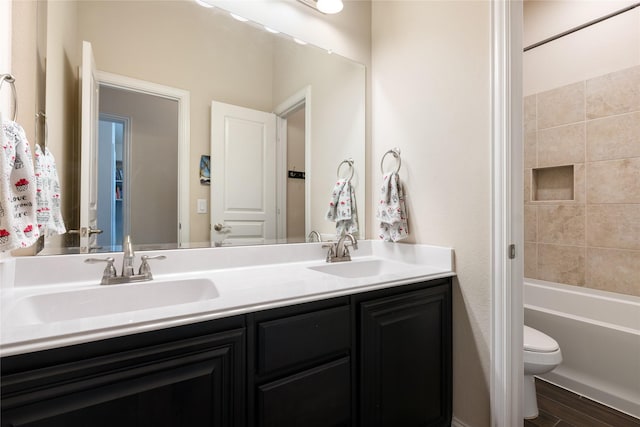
x=338 y=119
x=600 y=49
x=430 y=84
x=61 y=55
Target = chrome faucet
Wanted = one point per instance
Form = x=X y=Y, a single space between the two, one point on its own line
x=127 y=257
x=313 y=234
x=339 y=251
x=110 y=275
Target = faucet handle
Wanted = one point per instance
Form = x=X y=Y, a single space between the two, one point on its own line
x=109 y=270
x=332 y=250
x=144 y=266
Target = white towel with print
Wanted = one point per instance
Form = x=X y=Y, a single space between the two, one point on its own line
x=343 y=208
x=18 y=226
x=48 y=212
x=391 y=211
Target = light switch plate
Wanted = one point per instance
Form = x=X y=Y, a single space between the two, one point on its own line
x=202 y=206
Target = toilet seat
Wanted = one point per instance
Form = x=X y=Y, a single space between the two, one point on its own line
x=538 y=342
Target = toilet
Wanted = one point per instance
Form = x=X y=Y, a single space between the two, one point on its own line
x=541 y=355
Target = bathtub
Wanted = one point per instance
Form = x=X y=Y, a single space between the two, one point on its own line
x=599 y=335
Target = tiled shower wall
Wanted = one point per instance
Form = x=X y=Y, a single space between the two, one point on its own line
x=591 y=238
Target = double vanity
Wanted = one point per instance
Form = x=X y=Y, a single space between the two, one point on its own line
x=238 y=336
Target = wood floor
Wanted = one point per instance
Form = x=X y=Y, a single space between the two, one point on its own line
x=561 y=408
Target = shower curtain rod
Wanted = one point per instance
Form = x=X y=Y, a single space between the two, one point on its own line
x=580 y=27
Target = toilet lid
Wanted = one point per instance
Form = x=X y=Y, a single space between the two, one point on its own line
x=534 y=340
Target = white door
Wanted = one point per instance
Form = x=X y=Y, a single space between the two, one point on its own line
x=88 y=150
x=243 y=175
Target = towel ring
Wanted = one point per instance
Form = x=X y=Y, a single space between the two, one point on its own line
x=11 y=80
x=396 y=154
x=350 y=163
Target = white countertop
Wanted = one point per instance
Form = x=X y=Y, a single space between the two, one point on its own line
x=246 y=279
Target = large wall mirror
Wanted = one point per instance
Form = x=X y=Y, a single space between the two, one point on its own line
x=161 y=68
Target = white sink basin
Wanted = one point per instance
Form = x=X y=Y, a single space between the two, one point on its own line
x=111 y=299
x=358 y=269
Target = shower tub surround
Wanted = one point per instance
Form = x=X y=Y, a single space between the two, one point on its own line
x=582 y=183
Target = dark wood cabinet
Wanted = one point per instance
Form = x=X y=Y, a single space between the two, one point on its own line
x=194 y=381
x=317 y=397
x=404 y=353
x=300 y=374
x=380 y=358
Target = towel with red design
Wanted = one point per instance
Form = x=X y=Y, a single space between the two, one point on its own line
x=18 y=224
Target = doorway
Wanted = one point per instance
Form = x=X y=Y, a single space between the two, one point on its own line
x=113 y=183
x=145 y=162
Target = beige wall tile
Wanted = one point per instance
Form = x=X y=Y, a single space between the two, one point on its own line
x=614 y=181
x=614 y=93
x=564 y=225
x=561 y=264
x=530 y=149
x=561 y=145
x=561 y=106
x=531 y=223
x=527 y=185
x=613 y=270
x=530 y=117
x=531 y=260
x=614 y=226
x=579 y=183
x=615 y=137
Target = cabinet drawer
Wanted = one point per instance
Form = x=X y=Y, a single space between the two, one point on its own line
x=301 y=338
x=318 y=397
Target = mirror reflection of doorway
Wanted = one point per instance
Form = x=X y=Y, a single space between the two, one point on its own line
x=137 y=168
x=113 y=186
x=295 y=141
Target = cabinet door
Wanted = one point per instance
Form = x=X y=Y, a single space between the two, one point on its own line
x=318 y=397
x=194 y=382
x=405 y=359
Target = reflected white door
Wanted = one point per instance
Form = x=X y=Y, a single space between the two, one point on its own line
x=243 y=174
x=88 y=150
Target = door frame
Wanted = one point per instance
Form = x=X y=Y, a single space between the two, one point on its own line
x=506 y=370
x=282 y=111
x=126 y=156
x=183 y=98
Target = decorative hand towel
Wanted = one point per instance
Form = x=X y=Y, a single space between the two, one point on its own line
x=343 y=208
x=391 y=211
x=48 y=212
x=18 y=227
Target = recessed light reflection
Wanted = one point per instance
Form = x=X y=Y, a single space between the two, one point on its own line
x=238 y=17
x=271 y=30
x=203 y=3
x=302 y=42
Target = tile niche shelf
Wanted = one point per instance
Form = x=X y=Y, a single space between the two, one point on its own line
x=552 y=184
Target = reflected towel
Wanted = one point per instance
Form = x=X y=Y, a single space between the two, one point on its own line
x=48 y=212
x=343 y=208
x=18 y=226
x=391 y=211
